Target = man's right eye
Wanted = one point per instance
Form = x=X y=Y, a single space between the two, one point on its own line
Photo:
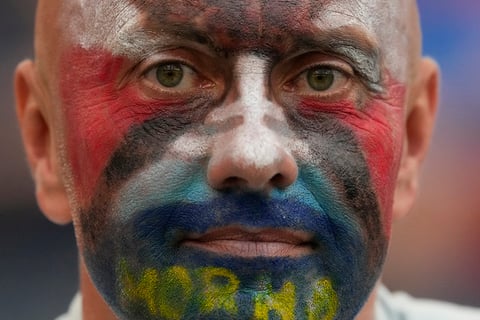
x=173 y=76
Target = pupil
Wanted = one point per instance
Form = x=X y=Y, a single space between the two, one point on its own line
x=170 y=75
x=320 y=79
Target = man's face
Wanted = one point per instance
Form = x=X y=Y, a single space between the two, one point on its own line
x=233 y=159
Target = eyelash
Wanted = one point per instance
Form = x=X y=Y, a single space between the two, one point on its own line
x=295 y=83
x=151 y=74
x=193 y=82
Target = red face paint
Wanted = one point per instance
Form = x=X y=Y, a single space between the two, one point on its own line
x=382 y=139
x=99 y=111
x=377 y=127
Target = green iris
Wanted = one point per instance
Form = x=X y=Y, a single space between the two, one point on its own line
x=170 y=75
x=320 y=79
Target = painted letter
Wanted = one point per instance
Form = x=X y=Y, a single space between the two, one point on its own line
x=283 y=303
x=221 y=286
x=324 y=301
x=166 y=295
x=139 y=291
x=174 y=292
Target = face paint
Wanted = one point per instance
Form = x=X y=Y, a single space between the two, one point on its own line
x=139 y=157
x=103 y=110
x=92 y=25
x=387 y=24
x=170 y=293
x=375 y=129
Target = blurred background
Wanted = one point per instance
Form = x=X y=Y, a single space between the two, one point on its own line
x=435 y=251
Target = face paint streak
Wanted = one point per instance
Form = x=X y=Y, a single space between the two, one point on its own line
x=385 y=19
x=102 y=24
x=282 y=302
x=324 y=302
x=383 y=145
x=166 y=300
x=172 y=292
x=99 y=113
x=219 y=295
x=377 y=135
x=253 y=99
x=233 y=24
x=311 y=107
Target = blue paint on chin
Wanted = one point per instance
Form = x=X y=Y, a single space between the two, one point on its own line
x=149 y=238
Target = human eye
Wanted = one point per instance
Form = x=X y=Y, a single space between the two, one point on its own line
x=321 y=81
x=180 y=74
x=173 y=76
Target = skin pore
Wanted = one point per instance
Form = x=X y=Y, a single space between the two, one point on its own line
x=227 y=159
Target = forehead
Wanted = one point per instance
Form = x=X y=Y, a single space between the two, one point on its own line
x=132 y=27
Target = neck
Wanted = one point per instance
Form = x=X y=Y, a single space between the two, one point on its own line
x=94 y=306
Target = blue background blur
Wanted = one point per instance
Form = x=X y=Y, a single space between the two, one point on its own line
x=435 y=250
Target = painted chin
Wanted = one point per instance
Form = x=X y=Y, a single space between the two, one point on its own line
x=280 y=246
x=251 y=243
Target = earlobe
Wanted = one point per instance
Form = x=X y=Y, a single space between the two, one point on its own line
x=420 y=119
x=36 y=132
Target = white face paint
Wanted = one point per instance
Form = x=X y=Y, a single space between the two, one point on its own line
x=385 y=20
x=255 y=143
x=101 y=24
x=115 y=26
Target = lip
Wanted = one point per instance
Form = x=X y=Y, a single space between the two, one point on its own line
x=252 y=242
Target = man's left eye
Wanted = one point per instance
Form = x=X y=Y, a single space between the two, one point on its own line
x=321 y=79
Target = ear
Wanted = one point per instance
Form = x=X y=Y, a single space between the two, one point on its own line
x=36 y=129
x=419 y=123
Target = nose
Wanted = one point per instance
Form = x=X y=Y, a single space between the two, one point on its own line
x=251 y=152
x=252 y=162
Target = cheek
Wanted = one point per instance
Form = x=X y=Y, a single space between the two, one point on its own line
x=377 y=127
x=98 y=113
x=380 y=136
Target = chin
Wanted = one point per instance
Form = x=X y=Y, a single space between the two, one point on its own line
x=235 y=257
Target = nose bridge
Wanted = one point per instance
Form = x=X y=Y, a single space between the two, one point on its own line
x=255 y=140
x=251 y=81
x=251 y=154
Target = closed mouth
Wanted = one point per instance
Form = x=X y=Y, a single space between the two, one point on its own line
x=252 y=242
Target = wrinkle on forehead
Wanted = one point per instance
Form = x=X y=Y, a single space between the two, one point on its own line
x=386 y=20
x=133 y=27
x=100 y=23
x=234 y=24
x=108 y=23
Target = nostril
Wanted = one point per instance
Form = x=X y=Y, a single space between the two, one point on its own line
x=280 y=181
x=232 y=182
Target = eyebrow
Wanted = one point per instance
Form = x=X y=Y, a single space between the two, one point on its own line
x=142 y=41
x=349 y=43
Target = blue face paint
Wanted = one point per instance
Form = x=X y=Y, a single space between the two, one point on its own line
x=148 y=239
